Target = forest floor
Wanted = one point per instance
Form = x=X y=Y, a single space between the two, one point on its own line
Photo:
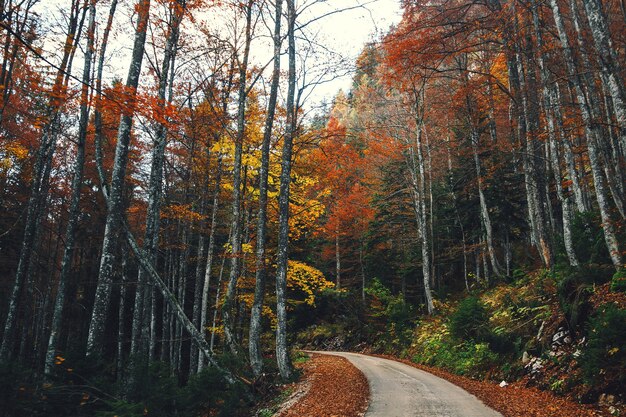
x=322 y=392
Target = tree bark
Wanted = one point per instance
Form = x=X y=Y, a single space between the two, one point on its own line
x=254 y=345
x=609 y=62
x=282 y=349
x=141 y=319
x=77 y=182
x=210 y=255
x=553 y=111
x=534 y=172
x=593 y=136
x=228 y=308
x=39 y=185
x=115 y=200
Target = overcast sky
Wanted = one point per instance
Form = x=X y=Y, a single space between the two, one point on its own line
x=348 y=31
x=340 y=35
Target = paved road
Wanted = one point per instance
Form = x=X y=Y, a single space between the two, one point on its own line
x=399 y=390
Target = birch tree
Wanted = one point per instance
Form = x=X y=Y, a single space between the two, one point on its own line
x=282 y=349
x=77 y=184
x=228 y=307
x=41 y=176
x=115 y=197
x=256 y=359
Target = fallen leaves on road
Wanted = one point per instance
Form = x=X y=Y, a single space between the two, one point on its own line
x=514 y=400
x=335 y=389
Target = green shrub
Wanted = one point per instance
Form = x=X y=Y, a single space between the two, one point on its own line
x=467 y=358
x=397 y=316
x=470 y=320
x=618 y=282
x=605 y=352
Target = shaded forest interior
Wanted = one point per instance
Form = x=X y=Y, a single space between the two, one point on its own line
x=171 y=231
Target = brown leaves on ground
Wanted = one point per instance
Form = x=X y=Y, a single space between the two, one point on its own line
x=335 y=389
x=604 y=295
x=514 y=400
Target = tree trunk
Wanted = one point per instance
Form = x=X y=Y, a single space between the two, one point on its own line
x=77 y=183
x=210 y=254
x=121 y=318
x=593 y=137
x=532 y=156
x=421 y=200
x=217 y=300
x=609 y=62
x=39 y=186
x=553 y=111
x=254 y=345
x=97 y=117
x=337 y=262
x=141 y=319
x=115 y=200
x=228 y=308
x=282 y=349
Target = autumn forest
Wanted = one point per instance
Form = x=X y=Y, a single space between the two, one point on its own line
x=171 y=237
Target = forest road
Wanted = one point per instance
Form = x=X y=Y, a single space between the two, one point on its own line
x=399 y=390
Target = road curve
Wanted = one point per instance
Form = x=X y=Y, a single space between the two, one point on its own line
x=399 y=390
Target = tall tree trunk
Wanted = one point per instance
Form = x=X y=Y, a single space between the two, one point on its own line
x=97 y=116
x=337 y=262
x=141 y=315
x=609 y=62
x=217 y=299
x=194 y=352
x=421 y=194
x=593 y=136
x=553 y=111
x=77 y=182
x=589 y=86
x=484 y=211
x=228 y=308
x=39 y=185
x=210 y=255
x=532 y=156
x=282 y=349
x=121 y=325
x=254 y=345
x=115 y=200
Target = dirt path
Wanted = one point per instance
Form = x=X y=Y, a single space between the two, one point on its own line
x=400 y=390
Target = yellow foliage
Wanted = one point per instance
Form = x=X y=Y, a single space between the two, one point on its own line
x=307 y=279
x=17 y=150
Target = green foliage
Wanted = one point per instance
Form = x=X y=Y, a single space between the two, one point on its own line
x=81 y=387
x=618 y=282
x=397 y=315
x=466 y=358
x=377 y=290
x=156 y=393
x=605 y=353
x=300 y=357
x=470 y=320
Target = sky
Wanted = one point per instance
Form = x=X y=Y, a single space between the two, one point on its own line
x=348 y=31
x=340 y=35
